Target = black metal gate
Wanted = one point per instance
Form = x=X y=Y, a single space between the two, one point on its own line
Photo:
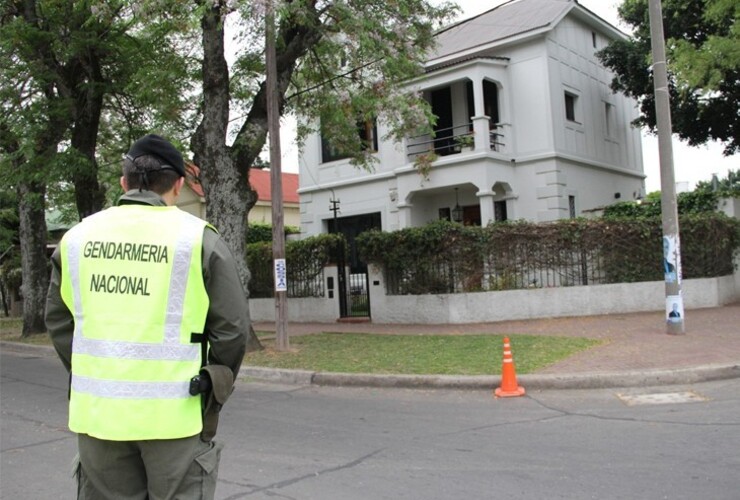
x=358 y=299
x=354 y=283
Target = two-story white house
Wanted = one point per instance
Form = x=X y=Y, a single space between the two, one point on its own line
x=522 y=83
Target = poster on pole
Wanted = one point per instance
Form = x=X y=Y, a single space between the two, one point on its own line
x=281 y=276
x=670 y=260
x=674 y=308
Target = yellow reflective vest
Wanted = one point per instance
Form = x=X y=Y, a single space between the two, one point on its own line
x=132 y=277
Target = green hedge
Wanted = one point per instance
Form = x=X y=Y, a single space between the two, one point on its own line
x=445 y=257
x=263 y=232
x=425 y=259
x=305 y=260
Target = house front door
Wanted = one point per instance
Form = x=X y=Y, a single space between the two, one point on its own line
x=354 y=302
x=471 y=215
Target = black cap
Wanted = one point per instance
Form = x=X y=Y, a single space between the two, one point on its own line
x=160 y=147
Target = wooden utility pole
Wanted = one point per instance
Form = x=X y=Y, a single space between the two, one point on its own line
x=674 y=315
x=276 y=183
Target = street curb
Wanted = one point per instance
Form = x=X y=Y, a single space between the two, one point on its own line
x=589 y=380
x=20 y=347
x=531 y=382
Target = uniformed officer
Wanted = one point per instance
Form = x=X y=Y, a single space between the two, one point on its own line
x=144 y=301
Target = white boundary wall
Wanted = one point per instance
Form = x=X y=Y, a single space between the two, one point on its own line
x=483 y=307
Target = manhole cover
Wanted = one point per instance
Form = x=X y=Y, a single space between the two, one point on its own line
x=661 y=398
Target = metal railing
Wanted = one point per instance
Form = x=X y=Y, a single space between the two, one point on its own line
x=451 y=140
x=504 y=270
x=307 y=281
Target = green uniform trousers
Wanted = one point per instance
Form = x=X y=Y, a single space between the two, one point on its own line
x=167 y=469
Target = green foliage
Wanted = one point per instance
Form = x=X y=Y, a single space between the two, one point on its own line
x=357 y=70
x=706 y=65
x=436 y=258
x=698 y=258
x=78 y=81
x=692 y=202
x=263 y=232
x=708 y=244
x=725 y=187
x=85 y=80
x=8 y=219
x=632 y=250
x=703 y=199
x=305 y=260
x=703 y=51
x=445 y=257
x=696 y=202
x=10 y=263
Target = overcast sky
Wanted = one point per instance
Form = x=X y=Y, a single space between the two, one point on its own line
x=690 y=164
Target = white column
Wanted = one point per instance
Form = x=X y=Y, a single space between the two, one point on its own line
x=404 y=215
x=480 y=128
x=480 y=120
x=487 y=214
x=478 y=102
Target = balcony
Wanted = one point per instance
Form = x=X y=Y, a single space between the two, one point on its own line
x=458 y=140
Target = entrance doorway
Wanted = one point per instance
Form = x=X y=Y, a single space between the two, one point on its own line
x=354 y=285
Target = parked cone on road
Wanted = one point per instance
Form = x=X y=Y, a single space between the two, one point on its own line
x=509 y=387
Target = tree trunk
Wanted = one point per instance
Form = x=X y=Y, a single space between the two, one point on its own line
x=33 y=256
x=89 y=196
x=85 y=80
x=224 y=170
x=32 y=225
x=225 y=183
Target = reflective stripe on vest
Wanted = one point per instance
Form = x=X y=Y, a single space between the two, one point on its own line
x=131 y=389
x=131 y=350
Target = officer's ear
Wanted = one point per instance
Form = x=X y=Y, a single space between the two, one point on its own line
x=124 y=184
x=178 y=186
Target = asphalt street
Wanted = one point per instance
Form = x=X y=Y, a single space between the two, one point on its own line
x=310 y=442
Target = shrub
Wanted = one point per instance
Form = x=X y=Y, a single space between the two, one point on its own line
x=693 y=202
x=437 y=258
x=263 y=232
x=305 y=261
x=446 y=257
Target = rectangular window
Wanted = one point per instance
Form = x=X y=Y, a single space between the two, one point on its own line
x=329 y=152
x=368 y=133
x=608 y=119
x=570 y=106
x=499 y=211
x=593 y=38
x=444 y=213
x=572 y=206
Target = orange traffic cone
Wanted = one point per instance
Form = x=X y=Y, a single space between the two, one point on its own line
x=509 y=387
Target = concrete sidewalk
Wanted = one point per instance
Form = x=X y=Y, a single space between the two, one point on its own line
x=638 y=352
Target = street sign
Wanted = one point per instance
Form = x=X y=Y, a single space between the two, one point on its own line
x=281 y=276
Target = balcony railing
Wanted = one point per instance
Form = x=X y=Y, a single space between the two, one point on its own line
x=453 y=140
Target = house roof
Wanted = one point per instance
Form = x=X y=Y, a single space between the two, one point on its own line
x=508 y=20
x=259 y=179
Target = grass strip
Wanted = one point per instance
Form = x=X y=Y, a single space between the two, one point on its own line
x=417 y=354
x=402 y=354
